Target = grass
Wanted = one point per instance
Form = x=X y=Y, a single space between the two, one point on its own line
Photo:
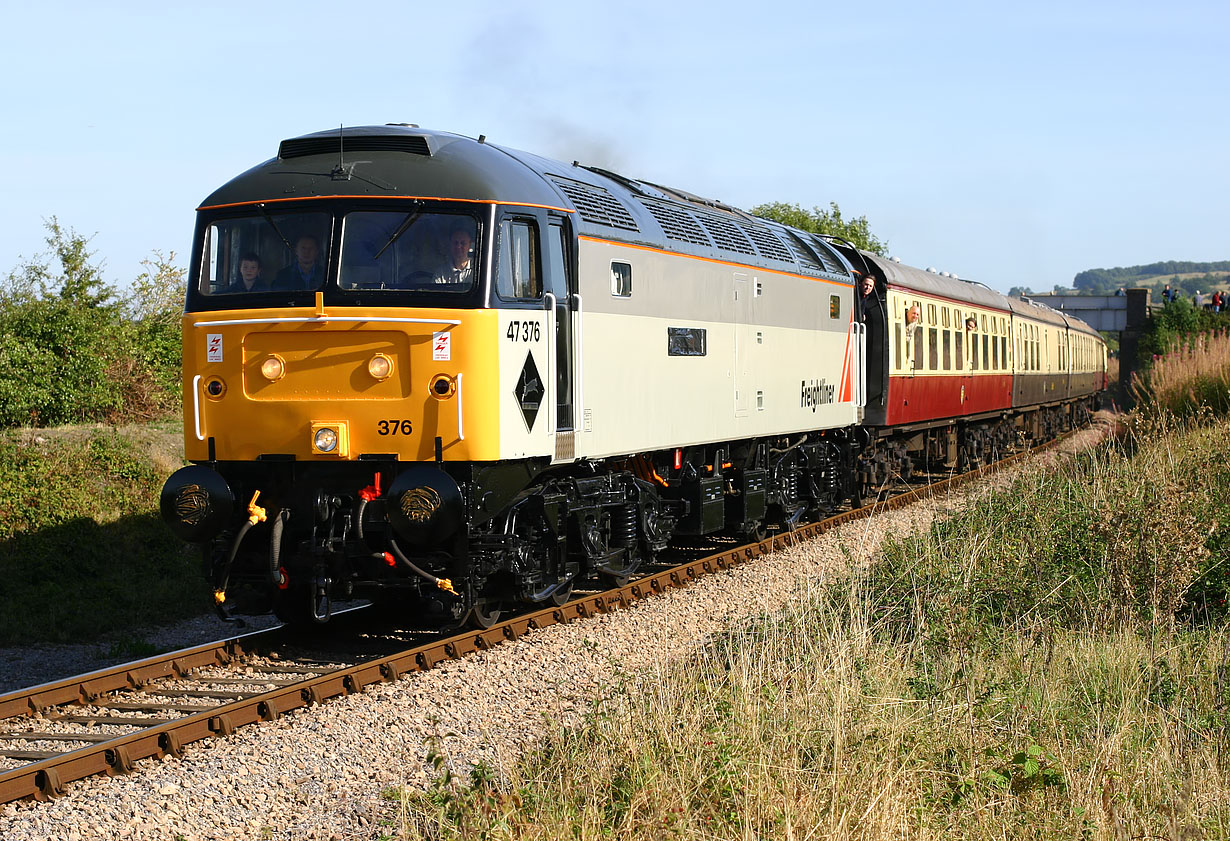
x=1195 y=376
x=1052 y=661
x=83 y=552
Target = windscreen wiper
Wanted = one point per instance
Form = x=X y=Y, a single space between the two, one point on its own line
x=274 y=225
x=410 y=219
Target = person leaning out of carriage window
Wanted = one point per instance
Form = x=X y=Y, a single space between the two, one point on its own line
x=249 y=279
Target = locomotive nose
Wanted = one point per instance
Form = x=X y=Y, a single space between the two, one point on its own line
x=425 y=505
x=196 y=503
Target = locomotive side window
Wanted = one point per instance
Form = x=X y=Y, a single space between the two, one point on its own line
x=408 y=250
x=621 y=279
x=834 y=306
x=519 y=278
x=285 y=252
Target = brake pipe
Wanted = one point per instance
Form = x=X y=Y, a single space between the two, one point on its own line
x=444 y=584
x=256 y=514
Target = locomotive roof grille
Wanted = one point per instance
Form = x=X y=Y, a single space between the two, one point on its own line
x=334 y=145
x=805 y=254
x=726 y=235
x=767 y=243
x=827 y=257
x=596 y=204
x=677 y=223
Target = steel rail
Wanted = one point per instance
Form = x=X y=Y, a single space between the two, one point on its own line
x=46 y=777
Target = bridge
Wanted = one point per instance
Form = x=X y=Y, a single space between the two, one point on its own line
x=1108 y=313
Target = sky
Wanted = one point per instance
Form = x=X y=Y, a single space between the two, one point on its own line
x=1013 y=144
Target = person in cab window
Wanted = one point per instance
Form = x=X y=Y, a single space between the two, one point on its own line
x=306 y=272
x=249 y=279
x=458 y=266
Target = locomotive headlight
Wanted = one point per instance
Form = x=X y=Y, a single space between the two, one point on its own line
x=325 y=440
x=329 y=438
x=380 y=367
x=273 y=368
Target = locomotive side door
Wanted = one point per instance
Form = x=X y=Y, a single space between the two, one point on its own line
x=560 y=286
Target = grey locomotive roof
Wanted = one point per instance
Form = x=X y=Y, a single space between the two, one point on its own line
x=399 y=161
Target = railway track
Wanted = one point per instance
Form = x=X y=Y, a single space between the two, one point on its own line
x=106 y=722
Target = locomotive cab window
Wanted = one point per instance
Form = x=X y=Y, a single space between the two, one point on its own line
x=520 y=278
x=286 y=252
x=834 y=306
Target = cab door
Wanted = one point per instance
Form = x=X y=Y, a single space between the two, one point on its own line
x=560 y=299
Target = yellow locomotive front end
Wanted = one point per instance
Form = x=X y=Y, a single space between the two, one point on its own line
x=340 y=391
x=334 y=385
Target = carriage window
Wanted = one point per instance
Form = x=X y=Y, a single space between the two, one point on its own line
x=408 y=251
x=947 y=346
x=285 y=252
x=959 y=356
x=933 y=345
x=519 y=278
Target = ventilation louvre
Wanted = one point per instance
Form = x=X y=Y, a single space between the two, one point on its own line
x=767 y=243
x=677 y=223
x=726 y=234
x=304 y=146
x=596 y=204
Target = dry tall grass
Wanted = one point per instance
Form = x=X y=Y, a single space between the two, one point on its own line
x=1195 y=374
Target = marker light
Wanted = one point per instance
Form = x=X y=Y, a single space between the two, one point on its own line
x=273 y=368
x=330 y=438
x=380 y=367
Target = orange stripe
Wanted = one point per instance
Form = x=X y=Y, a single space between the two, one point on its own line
x=382 y=198
x=847 y=381
x=712 y=260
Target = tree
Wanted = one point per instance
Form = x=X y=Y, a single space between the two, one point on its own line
x=821 y=221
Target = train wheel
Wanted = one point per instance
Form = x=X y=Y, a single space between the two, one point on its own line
x=560 y=596
x=484 y=614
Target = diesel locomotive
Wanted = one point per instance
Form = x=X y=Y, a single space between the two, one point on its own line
x=427 y=368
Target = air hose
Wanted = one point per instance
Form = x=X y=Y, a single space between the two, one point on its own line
x=443 y=583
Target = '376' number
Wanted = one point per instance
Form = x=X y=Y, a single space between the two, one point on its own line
x=395 y=427
x=524 y=331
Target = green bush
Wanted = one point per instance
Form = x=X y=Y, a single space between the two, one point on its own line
x=71 y=351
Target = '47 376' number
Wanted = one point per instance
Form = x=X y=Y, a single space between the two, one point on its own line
x=523 y=331
x=394 y=427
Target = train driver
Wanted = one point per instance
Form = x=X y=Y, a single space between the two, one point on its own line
x=305 y=272
x=457 y=267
